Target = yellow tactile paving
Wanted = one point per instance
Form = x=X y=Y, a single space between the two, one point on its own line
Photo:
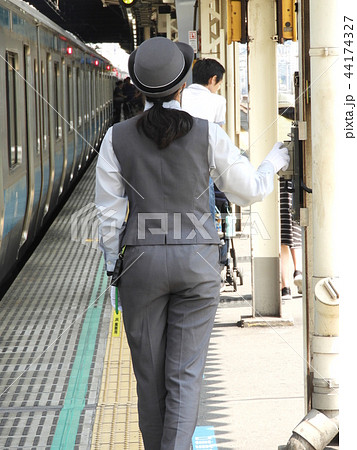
x=116 y=422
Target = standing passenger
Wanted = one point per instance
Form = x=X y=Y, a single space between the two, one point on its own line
x=133 y=100
x=291 y=242
x=160 y=162
x=118 y=99
x=200 y=99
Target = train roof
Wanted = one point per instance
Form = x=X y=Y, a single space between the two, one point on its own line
x=31 y=11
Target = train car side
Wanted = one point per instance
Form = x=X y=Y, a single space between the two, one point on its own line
x=57 y=106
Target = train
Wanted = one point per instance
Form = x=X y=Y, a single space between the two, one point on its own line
x=56 y=105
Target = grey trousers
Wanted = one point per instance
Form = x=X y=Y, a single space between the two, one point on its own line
x=169 y=295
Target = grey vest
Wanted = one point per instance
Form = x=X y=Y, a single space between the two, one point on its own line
x=167 y=189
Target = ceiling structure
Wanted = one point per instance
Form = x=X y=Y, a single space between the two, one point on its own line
x=105 y=20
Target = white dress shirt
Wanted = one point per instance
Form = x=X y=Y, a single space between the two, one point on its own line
x=230 y=170
x=200 y=102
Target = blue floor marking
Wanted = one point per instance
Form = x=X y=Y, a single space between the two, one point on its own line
x=204 y=438
x=74 y=403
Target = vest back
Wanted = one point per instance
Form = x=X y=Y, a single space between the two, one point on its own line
x=168 y=188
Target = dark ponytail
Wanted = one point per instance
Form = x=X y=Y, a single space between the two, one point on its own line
x=164 y=125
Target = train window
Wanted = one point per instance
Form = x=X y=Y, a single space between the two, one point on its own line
x=37 y=110
x=4 y=17
x=69 y=99
x=57 y=97
x=14 y=149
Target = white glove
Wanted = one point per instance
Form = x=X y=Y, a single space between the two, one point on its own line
x=279 y=157
x=112 y=298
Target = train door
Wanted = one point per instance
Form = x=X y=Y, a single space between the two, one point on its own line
x=109 y=91
x=78 y=120
x=94 y=112
x=56 y=126
x=108 y=98
x=91 y=113
x=100 y=105
x=104 y=101
x=34 y=139
x=41 y=163
x=13 y=157
x=61 y=145
x=46 y=151
x=86 y=117
x=69 y=124
x=83 y=114
x=30 y=147
x=49 y=144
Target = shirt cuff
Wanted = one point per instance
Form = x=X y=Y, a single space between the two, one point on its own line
x=110 y=266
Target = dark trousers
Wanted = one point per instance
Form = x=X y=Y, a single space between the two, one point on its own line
x=169 y=295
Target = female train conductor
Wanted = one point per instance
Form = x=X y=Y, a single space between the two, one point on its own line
x=160 y=162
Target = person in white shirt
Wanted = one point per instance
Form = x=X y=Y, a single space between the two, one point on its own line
x=200 y=99
x=160 y=162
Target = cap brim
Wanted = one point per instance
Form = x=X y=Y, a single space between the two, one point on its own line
x=188 y=55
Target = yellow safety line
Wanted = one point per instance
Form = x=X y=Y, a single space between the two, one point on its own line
x=116 y=422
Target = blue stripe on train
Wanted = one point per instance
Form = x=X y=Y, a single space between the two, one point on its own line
x=15 y=198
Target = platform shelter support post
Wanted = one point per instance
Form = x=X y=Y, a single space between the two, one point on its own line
x=303 y=105
x=213 y=42
x=231 y=104
x=237 y=96
x=328 y=168
x=327 y=176
x=263 y=115
x=171 y=28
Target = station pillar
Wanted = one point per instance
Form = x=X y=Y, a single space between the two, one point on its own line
x=331 y=166
x=326 y=177
x=263 y=132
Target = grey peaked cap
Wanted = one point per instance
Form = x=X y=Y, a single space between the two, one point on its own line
x=158 y=67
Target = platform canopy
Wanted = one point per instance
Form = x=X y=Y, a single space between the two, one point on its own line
x=106 y=20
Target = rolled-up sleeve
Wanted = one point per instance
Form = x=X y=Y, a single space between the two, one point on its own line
x=111 y=201
x=233 y=173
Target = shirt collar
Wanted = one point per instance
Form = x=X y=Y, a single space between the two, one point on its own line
x=198 y=87
x=172 y=104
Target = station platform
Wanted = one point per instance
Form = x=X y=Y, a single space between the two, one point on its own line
x=66 y=380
